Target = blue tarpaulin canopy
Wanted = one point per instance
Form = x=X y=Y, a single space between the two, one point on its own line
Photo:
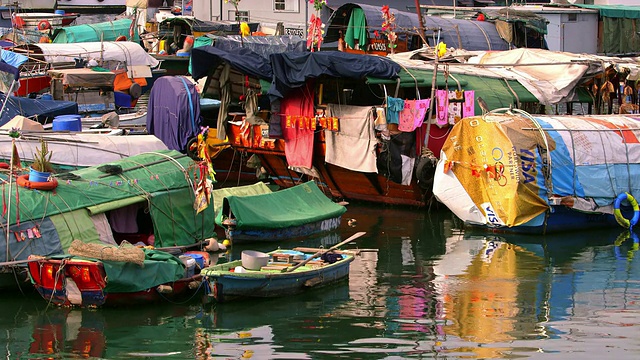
x=291 y=70
x=40 y=110
x=205 y=58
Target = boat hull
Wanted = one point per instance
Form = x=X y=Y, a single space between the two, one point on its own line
x=250 y=235
x=336 y=182
x=70 y=289
x=560 y=219
x=224 y=284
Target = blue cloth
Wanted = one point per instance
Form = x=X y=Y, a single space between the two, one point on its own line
x=12 y=58
x=394 y=107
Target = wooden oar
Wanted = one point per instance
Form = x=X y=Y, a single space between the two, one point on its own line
x=350 y=239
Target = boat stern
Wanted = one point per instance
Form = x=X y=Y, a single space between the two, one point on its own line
x=69 y=282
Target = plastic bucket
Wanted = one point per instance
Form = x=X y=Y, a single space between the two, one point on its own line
x=59 y=12
x=189 y=264
x=38 y=176
x=198 y=258
x=67 y=123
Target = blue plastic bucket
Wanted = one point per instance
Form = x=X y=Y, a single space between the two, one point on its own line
x=38 y=176
x=198 y=258
x=67 y=123
x=59 y=12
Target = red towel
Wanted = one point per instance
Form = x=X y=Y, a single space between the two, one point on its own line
x=298 y=139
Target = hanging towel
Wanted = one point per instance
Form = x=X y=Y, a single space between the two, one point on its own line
x=442 y=108
x=357 y=29
x=469 y=104
x=298 y=141
x=394 y=107
x=412 y=116
x=225 y=100
x=354 y=146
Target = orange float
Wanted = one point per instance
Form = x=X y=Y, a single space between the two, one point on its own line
x=23 y=181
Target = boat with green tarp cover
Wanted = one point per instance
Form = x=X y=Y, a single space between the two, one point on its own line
x=294 y=212
x=146 y=200
x=104 y=31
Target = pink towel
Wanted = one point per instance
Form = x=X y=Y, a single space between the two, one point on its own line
x=298 y=141
x=442 y=107
x=468 y=108
x=413 y=114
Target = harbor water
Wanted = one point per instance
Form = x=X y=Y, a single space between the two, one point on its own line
x=422 y=287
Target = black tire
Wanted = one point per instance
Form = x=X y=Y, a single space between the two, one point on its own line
x=425 y=171
x=192 y=153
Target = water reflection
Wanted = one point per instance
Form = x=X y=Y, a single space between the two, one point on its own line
x=430 y=290
x=522 y=288
x=236 y=330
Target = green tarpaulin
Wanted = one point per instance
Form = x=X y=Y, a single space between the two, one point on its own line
x=620 y=24
x=298 y=205
x=163 y=179
x=615 y=11
x=104 y=31
x=246 y=190
x=159 y=267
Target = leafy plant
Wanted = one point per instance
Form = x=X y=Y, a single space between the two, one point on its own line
x=42 y=158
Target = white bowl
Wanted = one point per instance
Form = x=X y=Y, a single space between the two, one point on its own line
x=254 y=260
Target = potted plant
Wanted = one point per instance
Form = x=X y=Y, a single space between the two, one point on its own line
x=41 y=167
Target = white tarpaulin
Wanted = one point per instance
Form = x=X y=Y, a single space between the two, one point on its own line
x=550 y=76
x=126 y=51
x=82 y=149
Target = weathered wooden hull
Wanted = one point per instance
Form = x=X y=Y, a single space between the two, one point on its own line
x=336 y=182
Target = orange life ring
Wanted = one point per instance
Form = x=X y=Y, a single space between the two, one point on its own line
x=23 y=181
x=44 y=25
x=121 y=38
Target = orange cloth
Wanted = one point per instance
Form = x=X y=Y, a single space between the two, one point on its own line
x=122 y=82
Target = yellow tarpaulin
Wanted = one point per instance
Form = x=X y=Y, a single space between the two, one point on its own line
x=495 y=161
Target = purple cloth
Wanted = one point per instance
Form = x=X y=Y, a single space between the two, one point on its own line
x=174 y=111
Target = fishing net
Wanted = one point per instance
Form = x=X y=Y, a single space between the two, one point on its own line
x=123 y=253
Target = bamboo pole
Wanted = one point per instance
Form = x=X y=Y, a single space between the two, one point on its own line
x=433 y=92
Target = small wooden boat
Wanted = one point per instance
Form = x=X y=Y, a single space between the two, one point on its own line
x=281 y=273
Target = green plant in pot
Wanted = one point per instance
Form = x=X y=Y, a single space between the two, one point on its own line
x=41 y=162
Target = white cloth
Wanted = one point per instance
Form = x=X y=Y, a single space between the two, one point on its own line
x=353 y=147
x=104 y=229
x=407 y=169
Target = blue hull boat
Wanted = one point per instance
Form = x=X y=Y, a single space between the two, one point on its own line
x=232 y=280
x=257 y=214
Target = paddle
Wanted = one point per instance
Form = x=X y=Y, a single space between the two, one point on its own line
x=351 y=238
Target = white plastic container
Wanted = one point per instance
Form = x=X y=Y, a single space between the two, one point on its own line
x=189 y=264
x=254 y=260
